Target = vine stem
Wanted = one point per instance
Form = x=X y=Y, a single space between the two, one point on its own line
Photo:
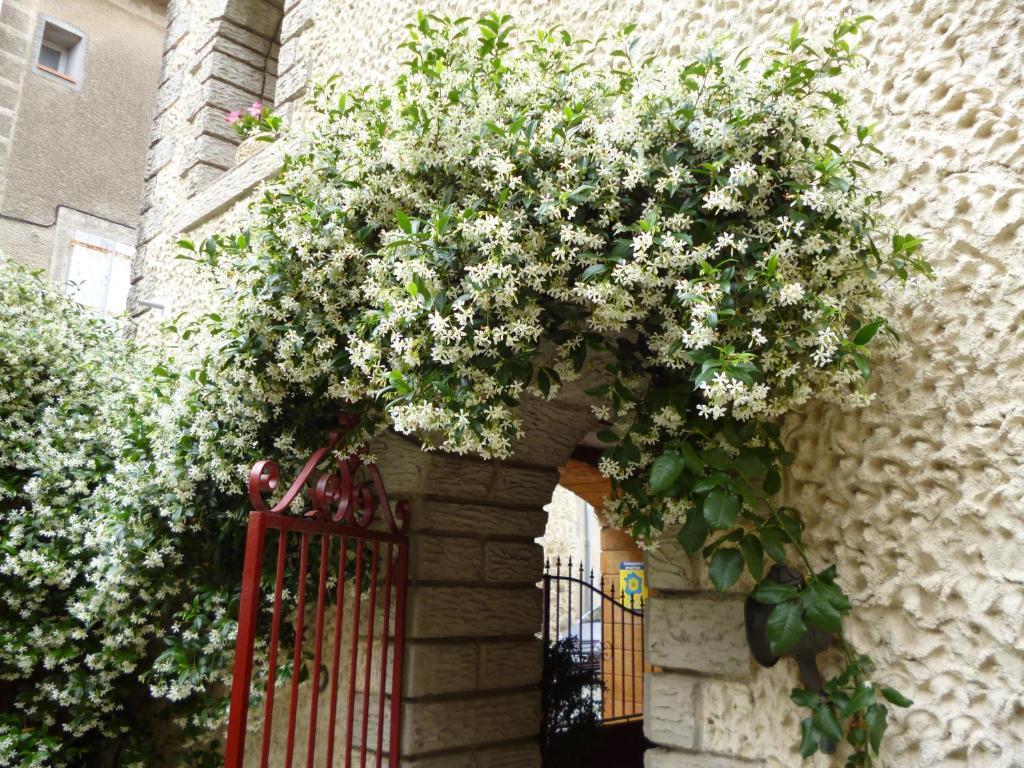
x=844 y=644
x=797 y=545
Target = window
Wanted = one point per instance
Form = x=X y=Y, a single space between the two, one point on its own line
x=52 y=58
x=99 y=274
x=61 y=52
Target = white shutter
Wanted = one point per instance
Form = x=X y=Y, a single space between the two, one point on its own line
x=99 y=273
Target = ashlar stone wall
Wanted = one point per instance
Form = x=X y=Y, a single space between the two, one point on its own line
x=473 y=661
x=918 y=498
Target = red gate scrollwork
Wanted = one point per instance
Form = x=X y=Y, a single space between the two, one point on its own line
x=344 y=503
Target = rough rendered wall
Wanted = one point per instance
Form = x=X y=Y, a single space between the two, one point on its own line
x=919 y=498
x=565 y=541
x=81 y=147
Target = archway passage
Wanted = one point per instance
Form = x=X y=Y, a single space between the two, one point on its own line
x=594 y=602
x=473 y=660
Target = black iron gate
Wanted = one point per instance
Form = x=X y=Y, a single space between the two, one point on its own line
x=594 y=664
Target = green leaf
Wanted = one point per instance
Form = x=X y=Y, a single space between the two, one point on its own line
x=707 y=483
x=821 y=613
x=803 y=698
x=716 y=458
x=771 y=540
x=543 y=382
x=832 y=593
x=791 y=523
x=694 y=532
x=857 y=738
x=593 y=271
x=785 y=626
x=794 y=36
x=721 y=508
x=862 y=698
x=726 y=567
x=399 y=382
x=772 y=482
x=863 y=364
x=867 y=332
x=876 y=720
x=665 y=471
x=896 y=697
x=825 y=721
x=753 y=555
x=808 y=738
x=404 y=222
x=749 y=465
x=837 y=182
x=691 y=459
x=772 y=593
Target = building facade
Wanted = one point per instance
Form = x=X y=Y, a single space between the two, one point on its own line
x=77 y=87
x=918 y=498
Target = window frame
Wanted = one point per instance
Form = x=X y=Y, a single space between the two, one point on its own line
x=66 y=40
x=62 y=56
x=113 y=251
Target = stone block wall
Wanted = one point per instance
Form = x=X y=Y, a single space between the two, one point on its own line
x=474 y=657
x=15 y=40
x=699 y=700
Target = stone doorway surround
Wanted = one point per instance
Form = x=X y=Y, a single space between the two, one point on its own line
x=473 y=658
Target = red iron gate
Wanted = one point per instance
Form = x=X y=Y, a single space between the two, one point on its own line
x=344 y=503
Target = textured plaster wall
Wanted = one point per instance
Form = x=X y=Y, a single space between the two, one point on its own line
x=566 y=532
x=565 y=538
x=919 y=498
x=83 y=146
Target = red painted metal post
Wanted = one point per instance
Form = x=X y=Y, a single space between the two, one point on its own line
x=314 y=699
x=394 y=748
x=368 y=664
x=353 y=655
x=339 y=621
x=248 y=614
x=275 y=632
x=385 y=637
x=300 y=615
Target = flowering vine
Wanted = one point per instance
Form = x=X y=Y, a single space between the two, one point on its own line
x=696 y=238
x=256 y=121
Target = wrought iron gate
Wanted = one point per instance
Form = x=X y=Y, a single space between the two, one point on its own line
x=366 y=567
x=601 y=638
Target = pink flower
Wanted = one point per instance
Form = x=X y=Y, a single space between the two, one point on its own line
x=256 y=109
x=233 y=117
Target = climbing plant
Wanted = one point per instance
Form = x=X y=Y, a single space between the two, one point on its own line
x=698 y=239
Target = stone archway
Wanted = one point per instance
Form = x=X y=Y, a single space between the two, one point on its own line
x=474 y=659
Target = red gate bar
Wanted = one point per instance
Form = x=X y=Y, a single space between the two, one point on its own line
x=342 y=509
